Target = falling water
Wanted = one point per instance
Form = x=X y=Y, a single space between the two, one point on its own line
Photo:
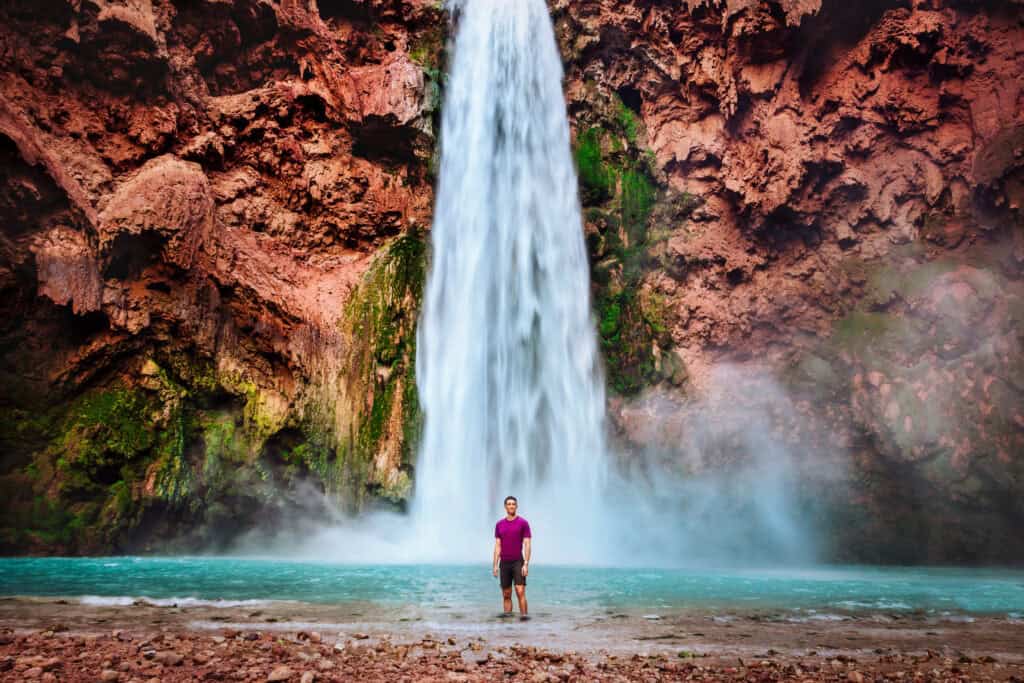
x=507 y=363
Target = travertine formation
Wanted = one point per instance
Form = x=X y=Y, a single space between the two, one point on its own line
x=213 y=217
x=212 y=248
x=828 y=194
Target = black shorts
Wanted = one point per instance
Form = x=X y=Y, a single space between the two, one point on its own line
x=511 y=572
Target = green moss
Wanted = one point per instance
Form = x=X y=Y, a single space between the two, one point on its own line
x=103 y=432
x=314 y=456
x=625 y=341
x=427 y=49
x=611 y=317
x=382 y=314
x=638 y=196
x=174 y=481
x=619 y=192
x=412 y=414
x=121 y=496
x=627 y=121
x=596 y=177
x=114 y=422
x=655 y=312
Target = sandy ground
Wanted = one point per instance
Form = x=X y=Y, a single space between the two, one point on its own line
x=51 y=639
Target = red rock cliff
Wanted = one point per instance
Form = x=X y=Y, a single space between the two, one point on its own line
x=210 y=255
x=829 y=195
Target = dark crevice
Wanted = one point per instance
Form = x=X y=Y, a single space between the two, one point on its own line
x=838 y=26
x=631 y=97
x=131 y=254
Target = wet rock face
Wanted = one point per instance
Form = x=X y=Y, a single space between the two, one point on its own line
x=191 y=194
x=837 y=204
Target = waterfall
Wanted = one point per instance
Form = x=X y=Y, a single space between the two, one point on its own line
x=508 y=370
x=507 y=363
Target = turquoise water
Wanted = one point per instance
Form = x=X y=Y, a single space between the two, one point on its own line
x=837 y=590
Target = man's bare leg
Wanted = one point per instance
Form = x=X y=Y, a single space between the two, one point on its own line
x=506 y=594
x=521 y=597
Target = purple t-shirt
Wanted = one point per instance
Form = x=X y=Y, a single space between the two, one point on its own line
x=512 y=535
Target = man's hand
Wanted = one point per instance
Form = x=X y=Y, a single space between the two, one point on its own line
x=526 y=569
x=495 y=572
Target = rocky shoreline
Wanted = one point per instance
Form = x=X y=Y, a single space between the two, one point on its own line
x=57 y=640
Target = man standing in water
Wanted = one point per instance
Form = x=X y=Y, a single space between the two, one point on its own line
x=512 y=555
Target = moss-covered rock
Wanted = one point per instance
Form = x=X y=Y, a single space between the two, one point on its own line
x=619 y=195
x=383 y=313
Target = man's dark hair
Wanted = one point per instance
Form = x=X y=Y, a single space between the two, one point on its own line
x=508 y=498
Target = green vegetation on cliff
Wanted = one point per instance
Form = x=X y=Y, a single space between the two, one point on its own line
x=175 y=443
x=384 y=311
x=619 y=192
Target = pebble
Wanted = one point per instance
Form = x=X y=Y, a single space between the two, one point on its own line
x=281 y=673
x=169 y=658
x=308 y=677
x=110 y=675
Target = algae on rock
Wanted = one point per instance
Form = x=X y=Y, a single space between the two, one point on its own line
x=619 y=193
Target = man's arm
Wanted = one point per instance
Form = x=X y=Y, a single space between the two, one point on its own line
x=526 y=555
x=497 y=555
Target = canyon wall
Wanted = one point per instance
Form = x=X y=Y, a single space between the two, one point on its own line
x=211 y=257
x=811 y=211
x=214 y=236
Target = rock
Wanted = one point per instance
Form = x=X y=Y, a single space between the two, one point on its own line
x=170 y=202
x=34 y=672
x=68 y=270
x=391 y=93
x=169 y=658
x=308 y=677
x=52 y=663
x=110 y=675
x=281 y=673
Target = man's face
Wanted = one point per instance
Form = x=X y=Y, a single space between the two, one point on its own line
x=510 y=508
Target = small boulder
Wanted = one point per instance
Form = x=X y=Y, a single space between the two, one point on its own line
x=281 y=673
x=170 y=658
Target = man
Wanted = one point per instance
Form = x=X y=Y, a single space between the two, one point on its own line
x=512 y=555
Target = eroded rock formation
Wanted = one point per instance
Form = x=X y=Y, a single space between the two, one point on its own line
x=211 y=256
x=829 y=194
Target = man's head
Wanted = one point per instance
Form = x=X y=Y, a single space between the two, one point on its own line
x=511 y=504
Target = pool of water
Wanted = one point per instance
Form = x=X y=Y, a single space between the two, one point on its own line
x=838 y=590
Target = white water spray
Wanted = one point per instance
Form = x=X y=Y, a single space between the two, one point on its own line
x=507 y=361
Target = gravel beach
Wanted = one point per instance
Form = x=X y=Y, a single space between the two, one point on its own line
x=63 y=640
